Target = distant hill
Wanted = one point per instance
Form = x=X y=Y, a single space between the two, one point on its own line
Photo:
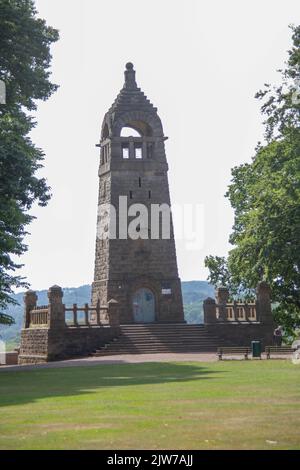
x=193 y=292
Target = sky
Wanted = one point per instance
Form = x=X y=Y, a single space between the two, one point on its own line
x=200 y=63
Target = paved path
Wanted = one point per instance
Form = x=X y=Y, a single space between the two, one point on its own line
x=127 y=359
x=118 y=359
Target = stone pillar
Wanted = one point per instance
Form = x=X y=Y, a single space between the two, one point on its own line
x=131 y=149
x=30 y=299
x=144 y=151
x=56 y=310
x=222 y=296
x=263 y=303
x=210 y=311
x=113 y=313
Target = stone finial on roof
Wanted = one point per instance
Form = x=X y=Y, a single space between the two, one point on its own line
x=130 y=76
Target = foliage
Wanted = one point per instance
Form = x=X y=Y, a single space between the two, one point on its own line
x=25 y=59
x=265 y=196
x=219 y=274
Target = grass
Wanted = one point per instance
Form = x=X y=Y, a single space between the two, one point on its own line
x=222 y=405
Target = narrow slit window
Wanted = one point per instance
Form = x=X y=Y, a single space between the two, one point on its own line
x=138 y=152
x=125 y=151
x=149 y=194
x=150 y=150
x=131 y=194
x=140 y=182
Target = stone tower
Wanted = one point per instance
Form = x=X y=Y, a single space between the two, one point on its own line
x=139 y=271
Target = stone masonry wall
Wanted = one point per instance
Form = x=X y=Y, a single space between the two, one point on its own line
x=230 y=334
x=240 y=333
x=52 y=339
x=44 y=345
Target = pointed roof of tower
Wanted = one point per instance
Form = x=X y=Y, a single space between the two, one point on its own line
x=131 y=97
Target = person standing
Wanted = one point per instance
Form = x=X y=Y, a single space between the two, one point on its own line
x=278 y=336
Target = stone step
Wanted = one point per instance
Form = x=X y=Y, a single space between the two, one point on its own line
x=158 y=349
x=152 y=347
x=160 y=338
x=161 y=326
x=157 y=345
x=163 y=330
x=164 y=340
x=154 y=350
x=164 y=335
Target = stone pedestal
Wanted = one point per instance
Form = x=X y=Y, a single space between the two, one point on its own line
x=30 y=299
x=56 y=311
x=222 y=296
x=209 y=310
x=263 y=303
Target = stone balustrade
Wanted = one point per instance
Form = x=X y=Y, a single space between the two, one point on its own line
x=92 y=316
x=220 y=310
x=54 y=331
x=239 y=311
x=38 y=317
x=238 y=323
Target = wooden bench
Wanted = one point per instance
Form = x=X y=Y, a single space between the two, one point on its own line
x=279 y=350
x=239 y=350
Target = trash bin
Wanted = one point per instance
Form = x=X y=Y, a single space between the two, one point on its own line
x=256 y=348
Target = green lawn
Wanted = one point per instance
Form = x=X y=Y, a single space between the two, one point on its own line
x=222 y=405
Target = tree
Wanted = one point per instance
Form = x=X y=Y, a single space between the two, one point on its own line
x=25 y=60
x=219 y=274
x=265 y=196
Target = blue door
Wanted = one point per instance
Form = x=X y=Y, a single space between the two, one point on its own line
x=144 y=306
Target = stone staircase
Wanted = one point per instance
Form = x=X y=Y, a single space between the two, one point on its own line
x=160 y=338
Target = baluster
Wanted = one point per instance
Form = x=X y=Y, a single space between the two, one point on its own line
x=254 y=313
x=75 y=318
x=234 y=309
x=247 y=312
x=86 y=313
x=65 y=313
